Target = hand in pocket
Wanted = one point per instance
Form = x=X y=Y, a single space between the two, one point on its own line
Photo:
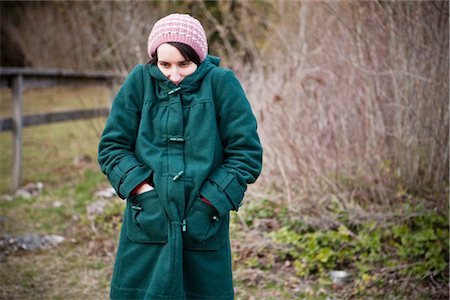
x=142 y=188
x=205 y=229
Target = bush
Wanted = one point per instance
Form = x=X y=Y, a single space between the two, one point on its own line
x=416 y=247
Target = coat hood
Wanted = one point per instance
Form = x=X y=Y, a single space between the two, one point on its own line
x=191 y=82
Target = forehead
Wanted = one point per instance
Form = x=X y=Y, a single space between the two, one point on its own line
x=169 y=53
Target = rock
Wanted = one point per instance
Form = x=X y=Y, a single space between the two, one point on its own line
x=96 y=208
x=30 y=242
x=20 y=193
x=82 y=160
x=106 y=193
x=57 y=204
x=250 y=276
x=339 y=277
x=266 y=225
x=30 y=190
x=6 y=197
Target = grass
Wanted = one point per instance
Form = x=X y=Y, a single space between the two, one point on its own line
x=56 y=99
x=81 y=267
x=49 y=151
x=63 y=157
x=271 y=256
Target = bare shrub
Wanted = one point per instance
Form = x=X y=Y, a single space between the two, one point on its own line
x=353 y=106
x=112 y=35
x=107 y=35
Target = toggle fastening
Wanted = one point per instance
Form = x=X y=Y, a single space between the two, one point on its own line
x=136 y=207
x=176 y=177
x=177 y=139
x=174 y=90
x=183 y=225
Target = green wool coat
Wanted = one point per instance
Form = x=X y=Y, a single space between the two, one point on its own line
x=196 y=138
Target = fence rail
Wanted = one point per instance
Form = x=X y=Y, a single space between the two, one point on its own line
x=18 y=79
x=47 y=118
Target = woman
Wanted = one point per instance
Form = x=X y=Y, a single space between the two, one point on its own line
x=180 y=145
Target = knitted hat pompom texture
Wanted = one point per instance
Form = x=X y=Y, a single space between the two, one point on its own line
x=180 y=28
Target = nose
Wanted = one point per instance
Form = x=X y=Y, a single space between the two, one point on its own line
x=174 y=76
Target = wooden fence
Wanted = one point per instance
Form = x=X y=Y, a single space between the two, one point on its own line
x=19 y=79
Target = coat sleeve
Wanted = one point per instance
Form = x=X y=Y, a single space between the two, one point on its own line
x=116 y=154
x=225 y=186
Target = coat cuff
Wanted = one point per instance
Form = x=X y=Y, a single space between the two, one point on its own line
x=133 y=178
x=127 y=175
x=223 y=191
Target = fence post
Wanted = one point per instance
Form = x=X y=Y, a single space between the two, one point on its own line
x=16 y=173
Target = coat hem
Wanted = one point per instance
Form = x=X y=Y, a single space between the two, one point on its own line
x=119 y=293
x=197 y=297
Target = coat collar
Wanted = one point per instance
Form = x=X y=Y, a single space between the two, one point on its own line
x=191 y=82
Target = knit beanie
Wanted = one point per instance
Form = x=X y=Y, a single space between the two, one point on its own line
x=180 y=28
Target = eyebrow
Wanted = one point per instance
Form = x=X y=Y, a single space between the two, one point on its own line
x=178 y=62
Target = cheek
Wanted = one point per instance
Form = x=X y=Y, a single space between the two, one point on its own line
x=189 y=70
x=164 y=71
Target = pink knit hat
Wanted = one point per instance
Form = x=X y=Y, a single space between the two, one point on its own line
x=180 y=28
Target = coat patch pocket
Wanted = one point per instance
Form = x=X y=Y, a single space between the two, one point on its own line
x=145 y=219
x=204 y=229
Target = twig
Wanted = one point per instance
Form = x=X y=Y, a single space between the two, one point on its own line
x=436 y=284
x=242 y=221
x=405 y=282
x=286 y=185
x=396 y=268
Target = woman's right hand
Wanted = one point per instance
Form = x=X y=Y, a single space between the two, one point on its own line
x=142 y=188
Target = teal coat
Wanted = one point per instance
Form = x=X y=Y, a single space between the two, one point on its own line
x=197 y=138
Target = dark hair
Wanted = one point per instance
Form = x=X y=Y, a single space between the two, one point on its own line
x=186 y=51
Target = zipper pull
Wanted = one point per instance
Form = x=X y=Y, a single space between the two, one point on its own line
x=183 y=225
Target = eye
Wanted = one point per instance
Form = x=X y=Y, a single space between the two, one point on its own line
x=185 y=63
x=164 y=64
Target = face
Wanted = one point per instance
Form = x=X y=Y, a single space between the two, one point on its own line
x=173 y=65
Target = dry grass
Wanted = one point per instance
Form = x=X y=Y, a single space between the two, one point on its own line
x=68 y=272
x=56 y=99
x=50 y=151
x=80 y=268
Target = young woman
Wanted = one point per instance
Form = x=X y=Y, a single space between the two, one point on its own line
x=180 y=145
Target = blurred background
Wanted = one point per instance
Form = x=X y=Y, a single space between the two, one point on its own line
x=352 y=105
